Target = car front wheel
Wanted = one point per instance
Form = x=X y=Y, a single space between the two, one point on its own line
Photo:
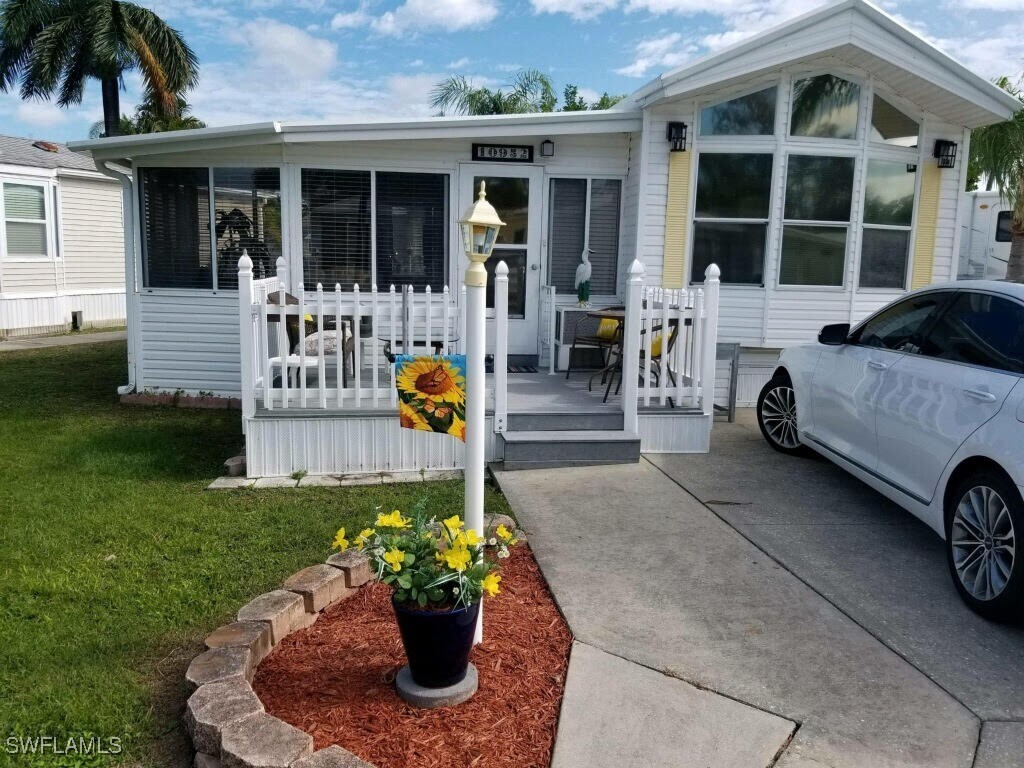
x=984 y=516
x=776 y=415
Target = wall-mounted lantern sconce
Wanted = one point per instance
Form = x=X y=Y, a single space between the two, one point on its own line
x=945 y=152
x=547 y=148
x=676 y=136
x=911 y=167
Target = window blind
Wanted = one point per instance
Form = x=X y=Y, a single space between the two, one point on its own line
x=336 y=228
x=176 y=218
x=412 y=230
x=568 y=233
x=604 y=235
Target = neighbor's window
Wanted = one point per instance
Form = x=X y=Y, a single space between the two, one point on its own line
x=891 y=126
x=750 y=115
x=247 y=211
x=336 y=228
x=1004 y=227
x=731 y=217
x=888 y=213
x=25 y=220
x=176 y=228
x=573 y=224
x=819 y=194
x=412 y=229
x=825 y=107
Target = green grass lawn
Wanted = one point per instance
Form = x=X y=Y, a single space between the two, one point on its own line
x=114 y=560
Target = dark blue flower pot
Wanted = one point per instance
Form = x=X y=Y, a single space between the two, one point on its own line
x=437 y=643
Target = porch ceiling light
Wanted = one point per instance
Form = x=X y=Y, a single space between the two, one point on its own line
x=945 y=152
x=675 y=134
x=479 y=225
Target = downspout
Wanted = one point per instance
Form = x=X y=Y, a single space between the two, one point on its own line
x=131 y=305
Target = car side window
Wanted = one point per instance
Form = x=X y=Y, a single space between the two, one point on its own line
x=980 y=329
x=899 y=327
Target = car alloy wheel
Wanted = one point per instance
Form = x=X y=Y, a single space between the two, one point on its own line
x=982 y=541
x=778 y=416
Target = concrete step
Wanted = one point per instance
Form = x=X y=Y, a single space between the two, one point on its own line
x=560 y=421
x=542 y=449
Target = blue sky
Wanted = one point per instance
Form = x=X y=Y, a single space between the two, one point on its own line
x=316 y=60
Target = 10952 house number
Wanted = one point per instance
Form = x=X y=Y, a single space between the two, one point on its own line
x=503 y=153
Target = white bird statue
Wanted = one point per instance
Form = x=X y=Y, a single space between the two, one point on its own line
x=583 y=272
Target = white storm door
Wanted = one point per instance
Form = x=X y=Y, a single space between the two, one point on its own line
x=515 y=193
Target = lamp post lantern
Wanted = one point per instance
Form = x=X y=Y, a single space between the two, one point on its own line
x=479 y=226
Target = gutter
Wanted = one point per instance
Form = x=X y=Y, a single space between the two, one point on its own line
x=128 y=218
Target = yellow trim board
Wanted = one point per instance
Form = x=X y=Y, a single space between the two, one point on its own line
x=677 y=206
x=927 y=219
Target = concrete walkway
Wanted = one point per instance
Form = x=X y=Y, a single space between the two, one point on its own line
x=646 y=573
x=63 y=340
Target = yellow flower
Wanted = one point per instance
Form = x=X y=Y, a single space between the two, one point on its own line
x=504 y=533
x=470 y=538
x=490 y=584
x=457 y=558
x=432 y=379
x=458 y=428
x=364 y=536
x=453 y=523
x=410 y=418
x=340 y=542
x=395 y=557
x=393 y=520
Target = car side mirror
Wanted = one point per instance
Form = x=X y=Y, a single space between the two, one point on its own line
x=834 y=335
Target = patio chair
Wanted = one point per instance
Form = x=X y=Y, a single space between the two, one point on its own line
x=604 y=338
x=659 y=360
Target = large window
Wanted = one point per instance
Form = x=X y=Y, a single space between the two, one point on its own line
x=731 y=216
x=819 y=196
x=584 y=213
x=825 y=106
x=187 y=246
x=336 y=228
x=24 y=212
x=890 y=126
x=888 y=213
x=750 y=115
x=412 y=231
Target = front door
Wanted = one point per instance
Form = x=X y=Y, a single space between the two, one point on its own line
x=515 y=193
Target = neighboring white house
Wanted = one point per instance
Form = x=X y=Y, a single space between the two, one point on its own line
x=802 y=161
x=61 y=241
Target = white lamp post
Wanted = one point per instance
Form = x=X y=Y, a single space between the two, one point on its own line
x=479 y=226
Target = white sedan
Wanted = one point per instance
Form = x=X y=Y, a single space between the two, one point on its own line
x=924 y=402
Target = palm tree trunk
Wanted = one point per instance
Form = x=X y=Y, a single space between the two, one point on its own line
x=1015 y=266
x=111 y=106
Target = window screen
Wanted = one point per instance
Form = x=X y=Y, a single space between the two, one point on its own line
x=247 y=210
x=176 y=221
x=567 y=234
x=412 y=229
x=25 y=220
x=336 y=228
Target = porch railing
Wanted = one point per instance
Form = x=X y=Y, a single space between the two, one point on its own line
x=341 y=340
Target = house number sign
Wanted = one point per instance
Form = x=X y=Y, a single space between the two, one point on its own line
x=503 y=153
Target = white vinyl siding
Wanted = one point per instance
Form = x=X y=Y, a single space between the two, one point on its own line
x=92 y=236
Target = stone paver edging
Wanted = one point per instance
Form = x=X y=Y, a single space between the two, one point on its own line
x=224 y=717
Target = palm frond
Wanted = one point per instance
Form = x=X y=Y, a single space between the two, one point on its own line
x=453 y=95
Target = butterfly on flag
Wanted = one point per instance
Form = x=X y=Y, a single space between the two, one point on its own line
x=432 y=393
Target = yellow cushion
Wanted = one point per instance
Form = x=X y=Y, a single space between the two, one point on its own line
x=656 y=346
x=606 y=328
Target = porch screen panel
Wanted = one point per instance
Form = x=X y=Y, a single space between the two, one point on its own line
x=568 y=232
x=336 y=228
x=247 y=207
x=412 y=230
x=176 y=223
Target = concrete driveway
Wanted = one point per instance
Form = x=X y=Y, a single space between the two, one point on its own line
x=866 y=556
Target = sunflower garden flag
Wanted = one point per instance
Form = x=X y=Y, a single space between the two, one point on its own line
x=432 y=393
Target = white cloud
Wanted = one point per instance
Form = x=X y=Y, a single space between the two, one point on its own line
x=414 y=16
x=459 y=63
x=991 y=5
x=40 y=114
x=281 y=49
x=351 y=19
x=663 y=52
x=580 y=10
x=416 y=63
x=989 y=55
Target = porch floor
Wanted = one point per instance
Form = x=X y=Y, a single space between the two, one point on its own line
x=544 y=393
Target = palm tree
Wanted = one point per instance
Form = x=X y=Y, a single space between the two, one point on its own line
x=529 y=91
x=149 y=118
x=52 y=47
x=998 y=152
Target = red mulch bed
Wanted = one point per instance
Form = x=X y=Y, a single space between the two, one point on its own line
x=336 y=682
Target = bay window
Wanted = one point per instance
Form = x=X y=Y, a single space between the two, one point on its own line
x=816 y=220
x=731 y=216
x=25 y=221
x=584 y=213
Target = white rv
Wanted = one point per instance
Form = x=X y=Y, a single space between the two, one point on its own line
x=985 y=236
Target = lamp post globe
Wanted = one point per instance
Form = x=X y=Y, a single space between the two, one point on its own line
x=479 y=226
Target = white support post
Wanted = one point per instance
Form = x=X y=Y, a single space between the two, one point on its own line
x=552 y=316
x=462 y=320
x=248 y=341
x=631 y=347
x=709 y=344
x=500 y=347
x=282 y=273
x=357 y=343
x=476 y=334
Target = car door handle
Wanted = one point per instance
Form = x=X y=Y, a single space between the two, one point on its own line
x=877 y=365
x=980 y=394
